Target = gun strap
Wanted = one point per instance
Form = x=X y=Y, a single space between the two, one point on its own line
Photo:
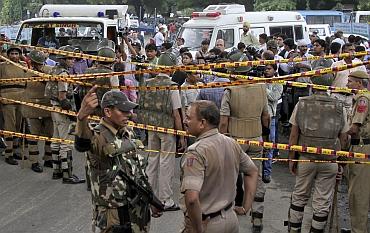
x=124 y=216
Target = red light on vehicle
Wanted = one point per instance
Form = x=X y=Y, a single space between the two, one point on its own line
x=205 y=14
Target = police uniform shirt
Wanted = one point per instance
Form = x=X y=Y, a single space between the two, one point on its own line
x=211 y=167
x=360 y=111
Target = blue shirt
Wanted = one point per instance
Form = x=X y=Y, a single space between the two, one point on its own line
x=213 y=94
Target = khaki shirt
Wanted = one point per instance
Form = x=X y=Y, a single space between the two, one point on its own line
x=360 y=111
x=211 y=166
x=249 y=39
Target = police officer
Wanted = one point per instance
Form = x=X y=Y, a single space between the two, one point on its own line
x=212 y=156
x=162 y=108
x=317 y=120
x=359 y=174
x=106 y=145
x=61 y=95
x=12 y=112
x=39 y=121
x=243 y=108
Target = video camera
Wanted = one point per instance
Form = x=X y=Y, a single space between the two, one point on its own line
x=257 y=71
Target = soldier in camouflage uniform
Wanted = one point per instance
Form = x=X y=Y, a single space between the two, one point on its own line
x=39 y=121
x=61 y=96
x=12 y=112
x=110 y=145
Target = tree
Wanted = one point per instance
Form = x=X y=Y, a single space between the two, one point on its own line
x=275 y=5
x=11 y=11
x=363 y=5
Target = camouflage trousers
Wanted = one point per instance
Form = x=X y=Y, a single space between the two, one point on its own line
x=104 y=220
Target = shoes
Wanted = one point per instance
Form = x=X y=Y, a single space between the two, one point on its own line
x=73 y=180
x=48 y=163
x=11 y=161
x=344 y=230
x=174 y=207
x=18 y=156
x=266 y=179
x=57 y=175
x=256 y=229
x=36 y=167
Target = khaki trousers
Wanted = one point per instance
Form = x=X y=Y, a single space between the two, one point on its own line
x=42 y=127
x=321 y=177
x=161 y=166
x=359 y=192
x=12 y=122
x=257 y=205
x=227 y=222
x=62 y=163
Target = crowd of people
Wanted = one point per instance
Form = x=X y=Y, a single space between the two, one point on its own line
x=214 y=116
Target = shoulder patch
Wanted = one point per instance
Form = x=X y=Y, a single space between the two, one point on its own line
x=190 y=161
x=362 y=105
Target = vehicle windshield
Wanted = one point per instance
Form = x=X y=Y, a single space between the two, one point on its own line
x=194 y=36
x=56 y=34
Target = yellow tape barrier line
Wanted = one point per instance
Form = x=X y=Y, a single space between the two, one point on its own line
x=268 y=145
x=59 y=140
x=200 y=66
x=61 y=52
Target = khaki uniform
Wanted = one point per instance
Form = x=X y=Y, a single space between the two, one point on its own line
x=12 y=112
x=359 y=174
x=244 y=106
x=61 y=152
x=111 y=195
x=320 y=119
x=39 y=121
x=155 y=108
x=213 y=156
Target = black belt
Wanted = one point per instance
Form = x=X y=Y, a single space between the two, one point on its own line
x=215 y=214
x=355 y=142
x=12 y=86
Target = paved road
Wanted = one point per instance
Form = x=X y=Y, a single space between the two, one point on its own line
x=33 y=202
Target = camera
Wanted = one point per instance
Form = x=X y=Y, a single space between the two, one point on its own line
x=257 y=71
x=124 y=32
x=138 y=58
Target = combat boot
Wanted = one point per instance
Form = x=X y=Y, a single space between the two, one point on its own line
x=36 y=167
x=11 y=161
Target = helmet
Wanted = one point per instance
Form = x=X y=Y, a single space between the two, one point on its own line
x=323 y=79
x=106 y=52
x=66 y=48
x=37 y=56
x=13 y=47
x=167 y=59
x=239 y=57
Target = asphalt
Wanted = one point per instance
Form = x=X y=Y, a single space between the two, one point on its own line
x=31 y=202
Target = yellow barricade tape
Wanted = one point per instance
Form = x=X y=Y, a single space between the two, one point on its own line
x=267 y=145
x=59 y=140
x=200 y=66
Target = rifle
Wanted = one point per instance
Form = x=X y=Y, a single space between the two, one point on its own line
x=144 y=191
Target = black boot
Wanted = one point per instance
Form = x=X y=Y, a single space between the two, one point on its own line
x=36 y=168
x=11 y=161
x=73 y=180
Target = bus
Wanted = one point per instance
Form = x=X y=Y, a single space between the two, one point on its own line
x=322 y=17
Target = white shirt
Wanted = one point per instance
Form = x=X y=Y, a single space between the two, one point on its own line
x=159 y=39
x=339 y=40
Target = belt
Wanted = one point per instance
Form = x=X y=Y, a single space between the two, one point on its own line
x=355 y=142
x=215 y=214
x=12 y=86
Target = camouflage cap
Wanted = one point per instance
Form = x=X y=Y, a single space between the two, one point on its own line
x=37 y=56
x=359 y=74
x=106 y=52
x=13 y=47
x=117 y=99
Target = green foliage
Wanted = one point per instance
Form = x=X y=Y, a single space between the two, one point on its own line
x=363 y=5
x=11 y=11
x=274 y=5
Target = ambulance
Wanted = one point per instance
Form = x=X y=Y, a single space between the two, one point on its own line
x=226 y=22
x=77 y=25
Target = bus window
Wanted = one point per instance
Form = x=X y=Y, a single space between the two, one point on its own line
x=287 y=30
x=298 y=32
x=364 y=18
x=228 y=36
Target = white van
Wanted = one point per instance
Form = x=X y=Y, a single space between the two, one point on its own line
x=77 y=25
x=226 y=22
x=323 y=30
x=360 y=17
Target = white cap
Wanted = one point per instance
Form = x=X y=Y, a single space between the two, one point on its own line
x=302 y=43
